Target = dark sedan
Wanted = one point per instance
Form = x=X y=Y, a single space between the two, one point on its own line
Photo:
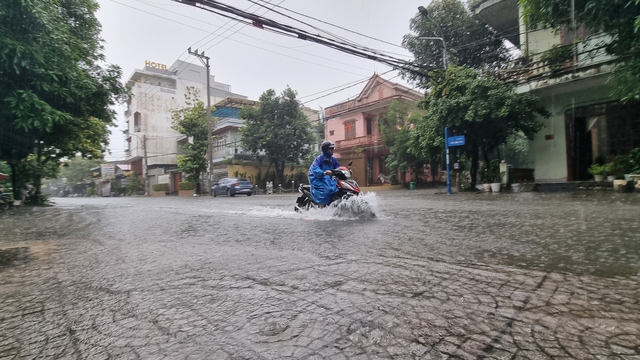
x=232 y=187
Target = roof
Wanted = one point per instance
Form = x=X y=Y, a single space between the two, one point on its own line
x=235 y=102
x=226 y=112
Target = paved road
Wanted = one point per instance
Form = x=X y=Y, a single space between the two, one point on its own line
x=521 y=276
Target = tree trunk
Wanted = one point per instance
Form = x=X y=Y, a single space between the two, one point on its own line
x=14 y=182
x=433 y=167
x=281 y=173
x=474 y=163
x=198 y=183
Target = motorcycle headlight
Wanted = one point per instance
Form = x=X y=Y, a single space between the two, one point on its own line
x=347 y=173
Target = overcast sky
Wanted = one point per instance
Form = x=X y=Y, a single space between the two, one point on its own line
x=252 y=60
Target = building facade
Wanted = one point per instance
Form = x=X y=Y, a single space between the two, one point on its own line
x=569 y=71
x=353 y=126
x=152 y=145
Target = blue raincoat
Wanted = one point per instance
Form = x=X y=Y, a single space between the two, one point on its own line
x=323 y=186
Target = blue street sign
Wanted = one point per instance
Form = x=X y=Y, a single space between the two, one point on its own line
x=455 y=140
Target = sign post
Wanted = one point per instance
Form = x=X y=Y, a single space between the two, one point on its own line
x=446 y=146
x=450 y=141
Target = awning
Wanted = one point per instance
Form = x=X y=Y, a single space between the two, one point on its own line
x=3 y=176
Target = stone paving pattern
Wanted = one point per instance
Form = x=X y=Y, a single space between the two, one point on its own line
x=112 y=297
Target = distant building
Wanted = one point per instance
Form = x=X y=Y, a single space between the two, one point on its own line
x=227 y=137
x=156 y=91
x=353 y=126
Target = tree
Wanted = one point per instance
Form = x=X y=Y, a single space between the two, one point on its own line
x=191 y=121
x=480 y=107
x=55 y=97
x=618 y=18
x=78 y=169
x=279 y=128
x=395 y=131
x=468 y=42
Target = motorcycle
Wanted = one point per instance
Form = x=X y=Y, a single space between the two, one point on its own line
x=5 y=201
x=347 y=188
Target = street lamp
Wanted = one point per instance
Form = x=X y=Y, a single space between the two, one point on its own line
x=424 y=12
x=444 y=46
x=146 y=173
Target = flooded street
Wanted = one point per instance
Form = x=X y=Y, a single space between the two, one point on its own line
x=509 y=276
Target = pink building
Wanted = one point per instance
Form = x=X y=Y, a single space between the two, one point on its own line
x=353 y=126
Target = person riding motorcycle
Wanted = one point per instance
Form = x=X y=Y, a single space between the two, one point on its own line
x=323 y=186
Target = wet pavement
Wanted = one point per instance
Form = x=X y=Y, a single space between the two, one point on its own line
x=509 y=276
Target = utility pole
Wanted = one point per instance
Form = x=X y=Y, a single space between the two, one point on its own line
x=205 y=61
x=146 y=165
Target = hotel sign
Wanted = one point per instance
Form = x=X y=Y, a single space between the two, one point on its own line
x=155 y=65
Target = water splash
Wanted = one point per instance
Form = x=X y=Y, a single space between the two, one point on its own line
x=361 y=207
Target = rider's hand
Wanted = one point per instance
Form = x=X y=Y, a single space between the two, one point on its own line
x=328 y=172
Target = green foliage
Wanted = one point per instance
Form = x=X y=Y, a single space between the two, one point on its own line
x=191 y=120
x=78 y=169
x=278 y=128
x=556 y=57
x=55 y=98
x=234 y=161
x=160 y=187
x=516 y=151
x=608 y=168
x=5 y=169
x=618 y=18
x=187 y=186
x=596 y=169
x=490 y=172
x=469 y=42
x=482 y=108
x=136 y=184
x=395 y=132
x=634 y=161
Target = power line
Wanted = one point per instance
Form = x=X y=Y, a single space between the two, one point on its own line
x=262 y=22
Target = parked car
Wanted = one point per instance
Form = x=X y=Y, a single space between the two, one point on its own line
x=232 y=187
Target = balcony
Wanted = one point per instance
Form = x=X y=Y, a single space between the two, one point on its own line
x=559 y=62
x=226 y=152
x=501 y=15
x=362 y=141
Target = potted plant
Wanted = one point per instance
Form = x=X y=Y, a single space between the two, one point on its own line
x=496 y=176
x=160 y=189
x=608 y=170
x=186 y=188
x=597 y=171
x=486 y=177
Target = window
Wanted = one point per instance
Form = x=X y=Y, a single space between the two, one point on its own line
x=350 y=129
x=369 y=126
x=137 y=122
x=331 y=132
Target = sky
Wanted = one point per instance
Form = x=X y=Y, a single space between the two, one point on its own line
x=253 y=60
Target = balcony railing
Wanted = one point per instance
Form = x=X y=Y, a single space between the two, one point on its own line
x=226 y=152
x=527 y=68
x=358 y=142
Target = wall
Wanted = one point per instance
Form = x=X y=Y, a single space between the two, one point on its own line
x=550 y=156
x=251 y=171
x=337 y=125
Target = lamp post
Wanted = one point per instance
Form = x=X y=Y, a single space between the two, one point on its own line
x=444 y=46
x=425 y=13
x=145 y=172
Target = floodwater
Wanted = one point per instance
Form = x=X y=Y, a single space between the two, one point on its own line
x=411 y=274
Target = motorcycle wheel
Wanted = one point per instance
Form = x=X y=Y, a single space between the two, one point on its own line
x=4 y=206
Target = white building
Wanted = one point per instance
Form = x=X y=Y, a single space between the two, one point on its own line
x=156 y=91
